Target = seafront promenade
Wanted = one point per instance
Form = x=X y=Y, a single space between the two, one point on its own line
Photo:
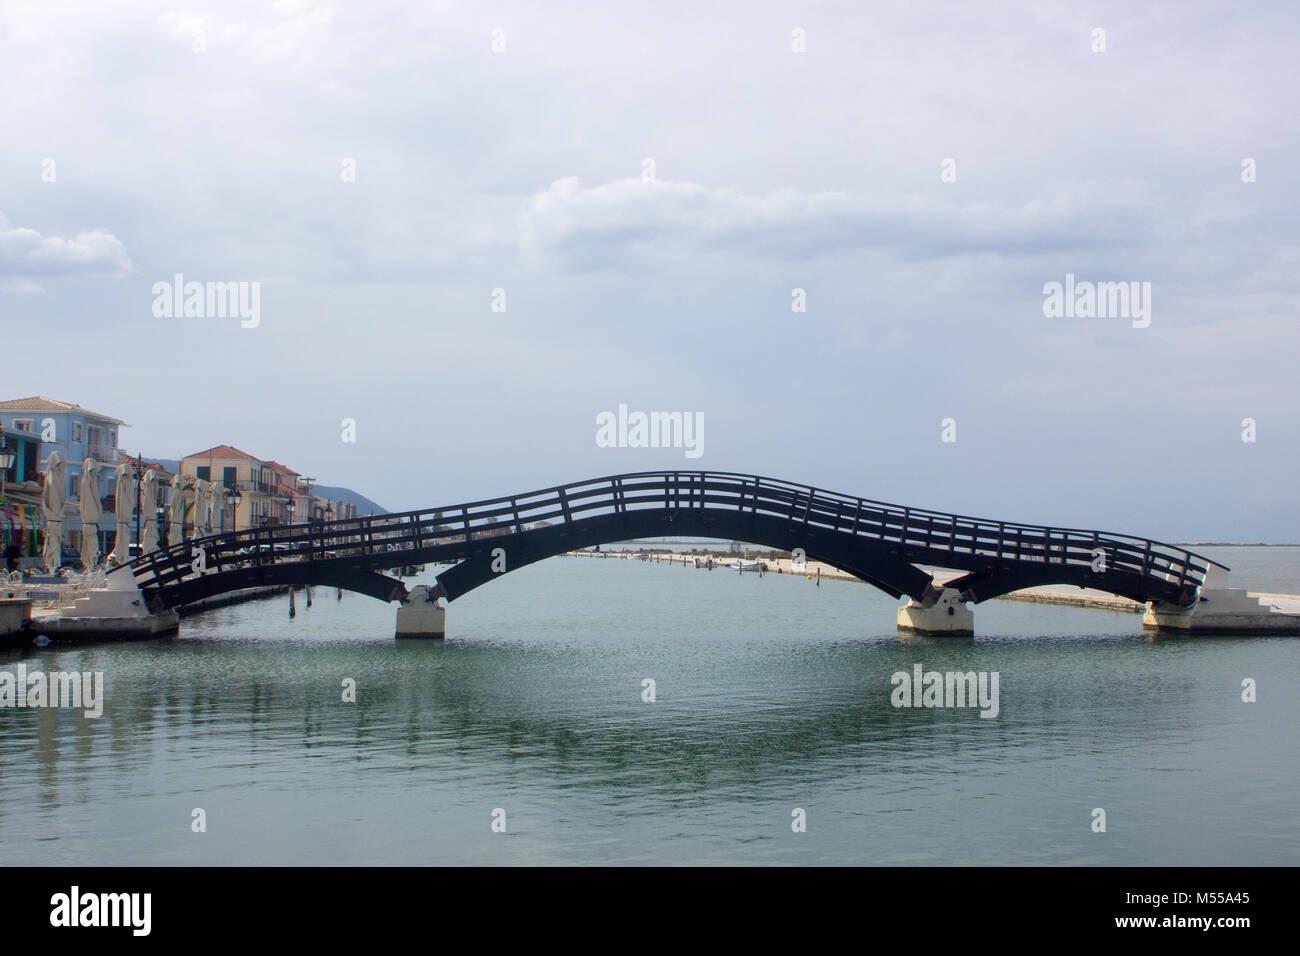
x=65 y=613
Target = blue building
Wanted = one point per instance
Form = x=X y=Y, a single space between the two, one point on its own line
x=20 y=491
x=76 y=433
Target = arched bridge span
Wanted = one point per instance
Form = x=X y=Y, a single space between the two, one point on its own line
x=883 y=544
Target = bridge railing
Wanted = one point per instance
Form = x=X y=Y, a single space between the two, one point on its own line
x=921 y=535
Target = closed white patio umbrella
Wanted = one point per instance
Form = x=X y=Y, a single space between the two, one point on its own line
x=215 y=504
x=89 y=505
x=176 y=524
x=202 y=506
x=54 y=496
x=123 y=506
x=149 y=505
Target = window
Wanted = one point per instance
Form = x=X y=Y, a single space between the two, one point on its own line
x=23 y=425
x=228 y=476
x=76 y=431
x=74 y=486
x=204 y=472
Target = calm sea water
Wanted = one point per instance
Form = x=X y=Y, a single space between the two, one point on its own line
x=772 y=694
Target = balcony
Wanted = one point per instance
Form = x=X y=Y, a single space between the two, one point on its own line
x=101 y=452
x=257 y=487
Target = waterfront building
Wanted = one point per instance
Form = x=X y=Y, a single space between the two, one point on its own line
x=251 y=485
x=20 y=491
x=293 y=495
x=161 y=505
x=77 y=434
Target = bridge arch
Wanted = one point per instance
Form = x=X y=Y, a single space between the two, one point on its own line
x=883 y=544
x=870 y=561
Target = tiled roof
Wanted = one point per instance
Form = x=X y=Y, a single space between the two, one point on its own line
x=149 y=465
x=39 y=403
x=222 y=451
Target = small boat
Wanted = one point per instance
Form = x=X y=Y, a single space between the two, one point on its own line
x=747 y=566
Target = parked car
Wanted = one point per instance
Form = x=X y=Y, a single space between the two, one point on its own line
x=268 y=549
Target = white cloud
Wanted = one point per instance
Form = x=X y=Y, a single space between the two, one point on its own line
x=819 y=171
x=627 y=218
x=26 y=255
x=182 y=25
x=291 y=33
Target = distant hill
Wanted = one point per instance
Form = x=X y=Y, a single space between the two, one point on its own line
x=364 y=505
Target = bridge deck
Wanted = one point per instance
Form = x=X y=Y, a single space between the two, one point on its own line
x=881 y=543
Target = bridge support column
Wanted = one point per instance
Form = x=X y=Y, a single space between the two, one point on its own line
x=948 y=616
x=420 y=616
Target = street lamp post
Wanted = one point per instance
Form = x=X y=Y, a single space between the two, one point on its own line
x=233 y=498
x=138 y=472
x=7 y=459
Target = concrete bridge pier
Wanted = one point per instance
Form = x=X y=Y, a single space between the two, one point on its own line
x=421 y=617
x=946 y=615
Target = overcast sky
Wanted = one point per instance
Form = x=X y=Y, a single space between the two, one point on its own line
x=215 y=141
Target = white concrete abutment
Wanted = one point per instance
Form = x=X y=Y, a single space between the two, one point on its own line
x=1220 y=610
x=421 y=617
x=1229 y=612
x=947 y=616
